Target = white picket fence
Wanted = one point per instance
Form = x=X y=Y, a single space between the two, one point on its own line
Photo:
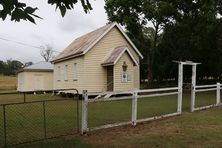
x=205 y=88
x=134 y=96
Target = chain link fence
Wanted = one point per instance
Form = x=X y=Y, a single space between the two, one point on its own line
x=37 y=117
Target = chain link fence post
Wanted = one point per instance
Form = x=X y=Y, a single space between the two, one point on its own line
x=44 y=119
x=4 y=122
x=24 y=97
x=77 y=112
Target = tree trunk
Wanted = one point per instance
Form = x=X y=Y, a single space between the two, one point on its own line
x=150 y=59
x=149 y=76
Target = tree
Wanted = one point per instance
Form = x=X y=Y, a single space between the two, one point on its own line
x=2 y=67
x=135 y=15
x=20 y=11
x=182 y=30
x=12 y=66
x=28 y=64
x=47 y=53
x=195 y=35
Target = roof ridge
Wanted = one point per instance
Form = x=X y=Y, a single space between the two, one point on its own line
x=69 y=50
x=94 y=30
x=81 y=45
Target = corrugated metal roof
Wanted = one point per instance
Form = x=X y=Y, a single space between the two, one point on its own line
x=82 y=43
x=40 y=66
x=114 y=55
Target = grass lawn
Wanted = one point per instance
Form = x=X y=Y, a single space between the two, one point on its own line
x=200 y=129
x=25 y=122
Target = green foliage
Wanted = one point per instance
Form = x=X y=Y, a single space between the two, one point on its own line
x=182 y=30
x=17 y=11
x=10 y=67
x=135 y=15
x=194 y=36
x=20 y=11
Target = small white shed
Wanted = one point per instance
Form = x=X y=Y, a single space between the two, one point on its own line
x=36 y=77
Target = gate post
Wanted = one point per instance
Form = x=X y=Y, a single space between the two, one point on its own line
x=134 y=108
x=218 y=94
x=193 y=88
x=180 y=87
x=84 y=112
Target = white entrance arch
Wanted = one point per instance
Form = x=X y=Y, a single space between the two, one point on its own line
x=180 y=83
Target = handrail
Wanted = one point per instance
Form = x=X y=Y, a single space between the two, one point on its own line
x=202 y=90
x=157 y=90
x=205 y=86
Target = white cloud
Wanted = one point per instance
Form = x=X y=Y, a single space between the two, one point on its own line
x=52 y=29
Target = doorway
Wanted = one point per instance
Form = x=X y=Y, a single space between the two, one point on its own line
x=109 y=78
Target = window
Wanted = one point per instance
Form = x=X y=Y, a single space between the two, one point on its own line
x=75 y=72
x=59 y=74
x=124 y=74
x=129 y=77
x=124 y=77
x=65 y=72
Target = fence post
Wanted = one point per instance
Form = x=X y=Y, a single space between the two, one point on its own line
x=4 y=122
x=24 y=97
x=193 y=88
x=218 y=94
x=180 y=88
x=77 y=108
x=44 y=119
x=84 y=112
x=134 y=108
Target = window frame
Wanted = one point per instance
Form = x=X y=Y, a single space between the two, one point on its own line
x=59 y=73
x=124 y=80
x=65 y=73
x=75 y=71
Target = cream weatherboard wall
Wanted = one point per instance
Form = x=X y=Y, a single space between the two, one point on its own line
x=31 y=81
x=95 y=76
x=92 y=76
x=70 y=82
x=118 y=70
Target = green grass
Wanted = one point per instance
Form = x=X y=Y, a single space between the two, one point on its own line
x=14 y=98
x=199 y=129
x=101 y=113
x=25 y=121
x=7 y=90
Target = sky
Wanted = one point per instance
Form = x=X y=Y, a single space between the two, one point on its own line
x=53 y=29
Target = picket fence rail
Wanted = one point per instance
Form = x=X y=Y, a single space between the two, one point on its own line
x=133 y=95
x=205 y=88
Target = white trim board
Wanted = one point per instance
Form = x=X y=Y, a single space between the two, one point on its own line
x=124 y=34
x=120 y=55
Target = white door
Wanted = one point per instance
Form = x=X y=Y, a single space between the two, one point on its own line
x=39 y=83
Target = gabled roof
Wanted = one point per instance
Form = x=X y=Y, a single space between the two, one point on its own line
x=116 y=54
x=40 y=66
x=83 y=44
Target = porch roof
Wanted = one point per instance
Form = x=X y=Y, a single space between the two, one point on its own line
x=116 y=54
